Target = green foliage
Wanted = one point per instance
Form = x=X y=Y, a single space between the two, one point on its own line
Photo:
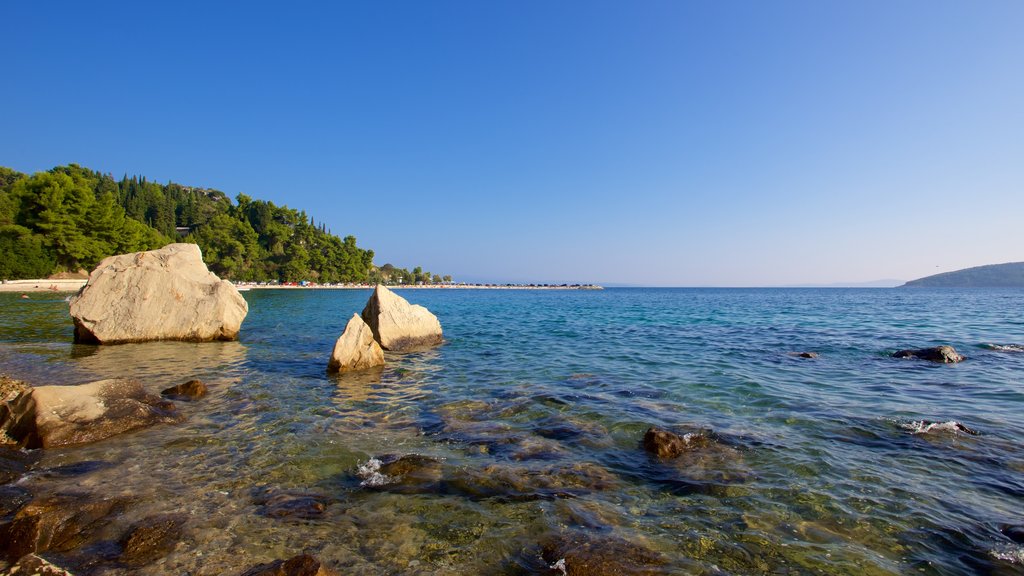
x=71 y=217
x=23 y=254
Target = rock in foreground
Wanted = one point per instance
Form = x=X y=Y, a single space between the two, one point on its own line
x=49 y=416
x=355 y=349
x=399 y=326
x=165 y=294
x=941 y=354
x=665 y=444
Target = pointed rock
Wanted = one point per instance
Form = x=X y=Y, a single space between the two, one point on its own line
x=355 y=349
x=399 y=326
x=165 y=294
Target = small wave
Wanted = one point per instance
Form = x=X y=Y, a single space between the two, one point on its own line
x=925 y=427
x=1011 y=554
x=370 y=473
x=1006 y=347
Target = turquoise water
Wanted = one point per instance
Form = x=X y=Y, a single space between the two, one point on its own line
x=527 y=422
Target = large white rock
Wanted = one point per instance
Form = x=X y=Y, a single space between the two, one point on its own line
x=355 y=349
x=400 y=326
x=165 y=294
x=50 y=416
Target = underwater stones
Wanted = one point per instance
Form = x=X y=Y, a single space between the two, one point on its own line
x=152 y=538
x=524 y=483
x=291 y=505
x=301 y=565
x=60 y=522
x=804 y=354
x=399 y=326
x=165 y=294
x=940 y=354
x=188 y=391
x=356 y=348
x=578 y=554
x=49 y=416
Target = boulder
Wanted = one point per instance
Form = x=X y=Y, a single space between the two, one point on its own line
x=165 y=294
x=49 y=416
x=61 y=522
x=804 y=354
x=188 y=391
x=941 y=354
x=356 y=348
x=399 y=326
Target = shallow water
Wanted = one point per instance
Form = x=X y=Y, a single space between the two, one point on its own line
x=529 y=418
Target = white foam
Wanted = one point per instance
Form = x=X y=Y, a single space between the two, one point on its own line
x=1007 y=347
x=370 y=473
x=1011 y=554
x=922 y=427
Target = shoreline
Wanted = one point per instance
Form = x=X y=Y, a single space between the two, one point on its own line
x=44 y=285
x=243 y=287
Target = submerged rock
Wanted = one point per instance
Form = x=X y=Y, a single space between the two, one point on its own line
x=524 y=483
x=302 y=565
x=61 y=522
x=49 y=416
x=356 y=348
x=292 y=505
x=399 y=326
x=804 y=354
x=665 y=444
x=406 y=474
x=190 y=390
x=13 y=462
x=165 y=294
x=941 y=354
x=578 y=554
x=151 y=539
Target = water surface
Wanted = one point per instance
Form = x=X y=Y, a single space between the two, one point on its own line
x=530 y=416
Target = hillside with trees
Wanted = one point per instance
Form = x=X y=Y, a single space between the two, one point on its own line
x=71 y=217
x=1009 y=275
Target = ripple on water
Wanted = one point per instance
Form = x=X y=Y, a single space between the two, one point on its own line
x=522 y=433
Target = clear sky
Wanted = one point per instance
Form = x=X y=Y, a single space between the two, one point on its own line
x=654 y=143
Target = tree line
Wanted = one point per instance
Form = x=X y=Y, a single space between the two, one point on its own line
x=70 y=218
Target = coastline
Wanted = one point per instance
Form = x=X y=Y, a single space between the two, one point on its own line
x=42 y=285
x=74 y=285
x=244 y=286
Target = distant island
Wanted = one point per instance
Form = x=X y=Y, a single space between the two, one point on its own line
x=1009 y=275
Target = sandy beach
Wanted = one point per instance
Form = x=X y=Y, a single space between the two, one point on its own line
x=42 y=285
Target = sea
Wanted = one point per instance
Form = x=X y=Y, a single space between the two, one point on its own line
x=515 y=447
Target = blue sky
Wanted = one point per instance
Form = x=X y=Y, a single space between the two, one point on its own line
x=652 y=143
